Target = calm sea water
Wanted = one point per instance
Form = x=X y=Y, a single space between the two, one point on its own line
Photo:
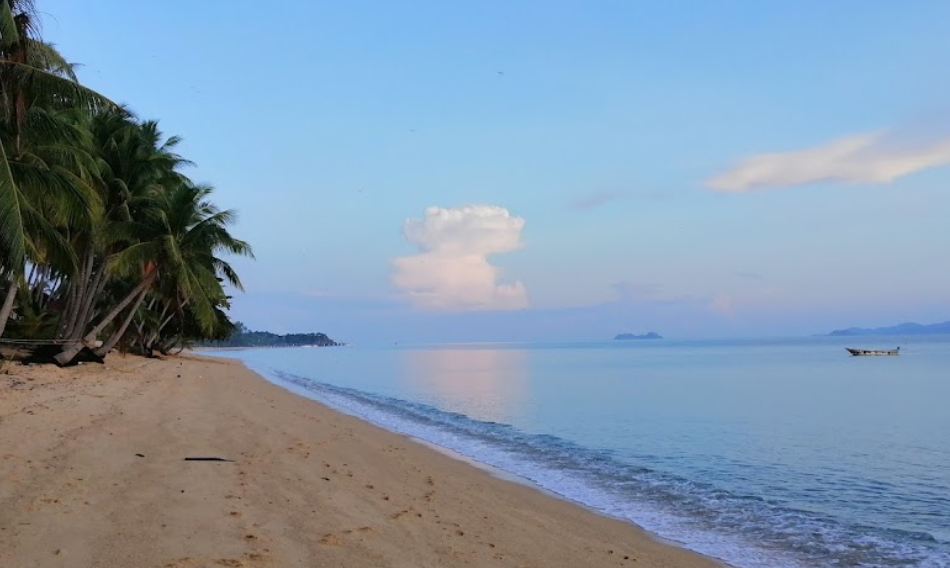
x=761 y=453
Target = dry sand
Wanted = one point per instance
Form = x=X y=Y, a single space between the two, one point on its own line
x=92 y=473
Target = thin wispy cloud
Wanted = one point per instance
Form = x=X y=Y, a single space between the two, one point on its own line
x=873 y=158
x=595 y=200
x=749 y=275
x=451 y=271
x=599 y=199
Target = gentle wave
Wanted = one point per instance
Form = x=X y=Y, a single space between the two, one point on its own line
x=743 y=530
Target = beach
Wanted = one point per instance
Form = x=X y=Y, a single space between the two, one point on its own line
x=93 y=472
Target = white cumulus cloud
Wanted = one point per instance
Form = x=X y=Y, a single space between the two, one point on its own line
x=451 y=270
x=865 y=158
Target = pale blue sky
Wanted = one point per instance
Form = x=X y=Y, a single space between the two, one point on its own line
x=600 y=124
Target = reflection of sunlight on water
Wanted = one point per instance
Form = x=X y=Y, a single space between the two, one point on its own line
x=485 y=384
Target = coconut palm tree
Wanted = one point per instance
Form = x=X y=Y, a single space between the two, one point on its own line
x=33 y=77
x=180 y=241
x=134 y=165
x=94 y=206
x=190 y=232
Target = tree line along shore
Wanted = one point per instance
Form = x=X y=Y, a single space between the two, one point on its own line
x=243 y=337
x=105 y=243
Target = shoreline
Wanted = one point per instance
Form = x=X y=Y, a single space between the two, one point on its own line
x=93 y=470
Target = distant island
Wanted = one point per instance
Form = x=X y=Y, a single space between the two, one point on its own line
x=631 y=336
x=244 y=337
x=909 y=328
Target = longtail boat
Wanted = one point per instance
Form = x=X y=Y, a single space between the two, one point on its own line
x=863 y=352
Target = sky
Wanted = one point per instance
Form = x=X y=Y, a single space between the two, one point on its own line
x=550 y=170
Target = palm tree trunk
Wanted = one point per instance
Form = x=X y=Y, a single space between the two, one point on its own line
x=8 y=303
x=77 y=293
x=155 y=335
x=70 y=350
x=158 y=332
x=89 y=299
x=67 y=315
x=117 y=334
x=168 y=345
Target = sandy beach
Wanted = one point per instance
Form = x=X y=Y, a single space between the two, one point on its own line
x=93 y=473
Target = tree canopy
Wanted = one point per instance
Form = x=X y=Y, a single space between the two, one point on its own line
x=104 y=241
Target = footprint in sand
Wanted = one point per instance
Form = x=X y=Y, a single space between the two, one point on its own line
x=361 y=529
x=406 y=513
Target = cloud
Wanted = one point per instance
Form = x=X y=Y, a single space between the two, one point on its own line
x=451 y=271
x=877 y=157
x=748 y=275
x=596 y=200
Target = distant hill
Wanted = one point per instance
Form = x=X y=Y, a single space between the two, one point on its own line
x=243 y=337
x=631 y=336
x=901 y=329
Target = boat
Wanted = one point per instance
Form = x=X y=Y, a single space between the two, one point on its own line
x=863 y=352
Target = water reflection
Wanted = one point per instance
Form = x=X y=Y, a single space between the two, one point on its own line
x=485 y=384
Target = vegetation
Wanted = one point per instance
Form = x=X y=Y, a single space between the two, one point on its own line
x=244 y=337
x=909 y=328
x=633 y=336
x=104 y=242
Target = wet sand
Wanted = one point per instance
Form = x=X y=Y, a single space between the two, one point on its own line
x=93 y=474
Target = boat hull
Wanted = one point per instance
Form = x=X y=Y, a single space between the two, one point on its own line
x=873 y=352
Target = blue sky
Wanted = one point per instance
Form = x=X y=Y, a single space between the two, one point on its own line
x=477 y=170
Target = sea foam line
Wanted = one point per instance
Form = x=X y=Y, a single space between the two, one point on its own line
x=744 y=531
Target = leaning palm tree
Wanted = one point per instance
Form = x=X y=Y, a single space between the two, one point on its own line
x=134 y=166
x=32 y=75
x=181 y=240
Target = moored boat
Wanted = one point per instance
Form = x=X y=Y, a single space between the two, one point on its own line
x=862 y=352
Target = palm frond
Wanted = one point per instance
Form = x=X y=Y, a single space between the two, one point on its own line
x=9 y=34
x=43 y=55
x=21 y=77
x=12 y=237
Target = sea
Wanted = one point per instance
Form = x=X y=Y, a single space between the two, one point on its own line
x=761 y=453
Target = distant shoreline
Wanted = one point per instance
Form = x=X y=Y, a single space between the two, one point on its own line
x=909 y=328
x=244 y=347
x=650 y=335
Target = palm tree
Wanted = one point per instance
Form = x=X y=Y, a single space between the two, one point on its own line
x=190 y=231
x=181 y=241
x=94 y=207
x=134 y=166
x=33 y=76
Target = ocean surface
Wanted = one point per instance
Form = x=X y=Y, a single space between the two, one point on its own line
x=765 y=453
